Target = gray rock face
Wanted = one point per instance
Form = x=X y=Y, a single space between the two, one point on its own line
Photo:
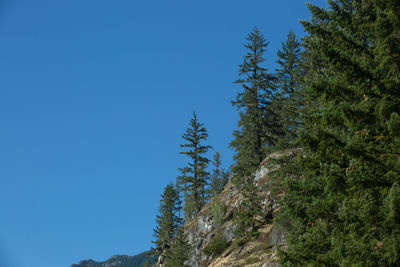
x=228 y=231
x=203 y=232
x=260 y=173
x=204 y=224
x=276 y=236
x=200 y=230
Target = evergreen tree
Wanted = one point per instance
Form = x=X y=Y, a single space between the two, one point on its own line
x=217 y=211
x=179 y=252
x=250 y=215
x=258 y=127
x=194 y=179
x=344 y=209
x=219 y=177
x=288 y=100
x=167 y=219
x=181 y=220
x=218 y=242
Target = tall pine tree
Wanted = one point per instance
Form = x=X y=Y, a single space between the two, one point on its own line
x=288 y=100
x=167 y=220
x=178 y=255
x=258 y=127
x=194 y=178
x=344 y=208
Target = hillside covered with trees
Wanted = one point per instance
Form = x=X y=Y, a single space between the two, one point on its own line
x=335 y=98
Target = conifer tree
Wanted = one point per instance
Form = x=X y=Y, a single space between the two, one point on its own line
x=258 y=127
x=219 y=177
x=218 y=242
x=178 y=255
x=194 y=178
x=344 y=209
x=167 y=220
x=288 y=100
x=250 y=215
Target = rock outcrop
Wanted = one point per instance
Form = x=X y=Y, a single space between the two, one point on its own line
x=257 y=251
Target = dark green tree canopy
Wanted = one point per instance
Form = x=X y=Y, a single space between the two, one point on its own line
x=178 y=255
x=288 y=61
x=289 y=100
x=258 y=127
x=343 y=210
x=167 y=220
x=194 y=177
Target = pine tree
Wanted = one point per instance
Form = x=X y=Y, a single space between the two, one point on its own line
x=194 y=179
x=178 y=255
x=218 y=242
x=258 y=127
x=344 y=209
x=251 y=214
x=288 y=100
x=219 y=177
x=167 y=220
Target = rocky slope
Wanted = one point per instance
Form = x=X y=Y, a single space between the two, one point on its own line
x=257 y=251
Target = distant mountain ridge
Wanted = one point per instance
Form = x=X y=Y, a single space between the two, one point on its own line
x=118 y=261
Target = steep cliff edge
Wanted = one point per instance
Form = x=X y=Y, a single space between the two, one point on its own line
x=260 y=250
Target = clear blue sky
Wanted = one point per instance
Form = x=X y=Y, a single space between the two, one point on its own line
x=94 y=98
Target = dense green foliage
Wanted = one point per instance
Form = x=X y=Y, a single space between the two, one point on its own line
x=178 y=254
x=258 y=127
x=343 y=210
x=194 y=177
x=288 y=101
x=217 y=245
x=167 y=221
